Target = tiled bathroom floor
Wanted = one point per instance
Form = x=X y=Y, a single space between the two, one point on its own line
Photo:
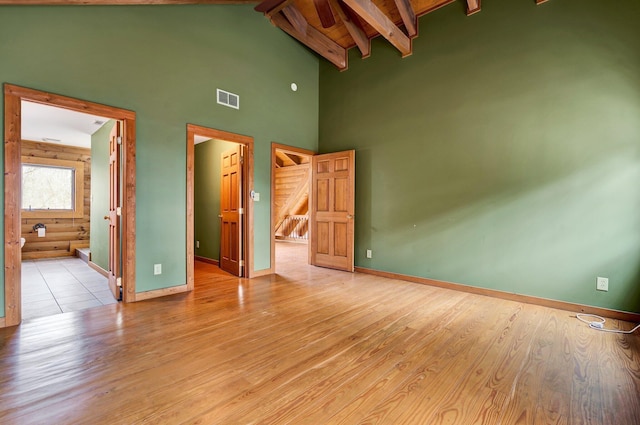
x=60 y=285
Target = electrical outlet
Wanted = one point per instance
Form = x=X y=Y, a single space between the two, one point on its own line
x=157 y=269
x=602 y=284
x=197 y=244
x=369 y=253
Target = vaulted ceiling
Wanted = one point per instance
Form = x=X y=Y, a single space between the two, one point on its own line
x=328 y=27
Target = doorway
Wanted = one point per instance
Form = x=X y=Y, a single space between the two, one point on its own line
x=328 y=197
x=64 y=257
x=14 y=96
x=290 y=188
x=220 y=221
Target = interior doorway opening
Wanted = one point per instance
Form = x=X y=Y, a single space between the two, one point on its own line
x=14 y=98
x=290 y=193
x=219 y=208
x=64 y=257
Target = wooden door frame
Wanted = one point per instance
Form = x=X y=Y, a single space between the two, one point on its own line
x=247 y=141
x=13 y=95
x=296 y=151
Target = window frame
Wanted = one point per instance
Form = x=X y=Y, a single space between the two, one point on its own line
x=78 y=192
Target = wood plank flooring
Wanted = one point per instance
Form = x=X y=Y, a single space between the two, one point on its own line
x=316 y=346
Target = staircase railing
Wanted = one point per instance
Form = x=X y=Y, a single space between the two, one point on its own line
x=294 y=227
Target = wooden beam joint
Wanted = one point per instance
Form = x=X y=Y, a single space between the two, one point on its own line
x=381 y=23
x=314 y=40
x=473 y=6
x=354 y=27
x=408 y=16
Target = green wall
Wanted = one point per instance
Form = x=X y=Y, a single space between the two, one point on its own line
x=206 y=196
x=99 y=242
x=164 y=63
x=504 y=153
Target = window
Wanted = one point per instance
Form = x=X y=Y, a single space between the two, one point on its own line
x=52 y=188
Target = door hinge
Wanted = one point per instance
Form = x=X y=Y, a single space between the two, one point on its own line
x=240 y=210
x=119 y=140
x=241 y=263
x=118 y=211
x=118 y=281
x=241 y=159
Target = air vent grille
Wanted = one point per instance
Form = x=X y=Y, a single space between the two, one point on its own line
x=228 y=99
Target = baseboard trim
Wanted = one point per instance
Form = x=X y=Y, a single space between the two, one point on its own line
x=207 y=260
x=99 y=269
x=529 y=299
x=141 y=296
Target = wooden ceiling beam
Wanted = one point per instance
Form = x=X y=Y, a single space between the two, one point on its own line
x=473 y=6
x=408 y=16
x=116 y=2
x=315 y=40
x=381 y=23
x=268 y=5
x=354 y=28
x=296 y=18
x=323 y=7
x=278 y=8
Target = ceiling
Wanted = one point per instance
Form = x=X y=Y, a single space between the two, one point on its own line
x=328 y=27
x=43 y=123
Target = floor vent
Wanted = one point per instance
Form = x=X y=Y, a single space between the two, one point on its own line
x=228 y=99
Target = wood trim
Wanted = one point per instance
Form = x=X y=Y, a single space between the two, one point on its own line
x=13 y=95
x=207 y=260
x=12 y=254
x=78 y=187
x=212 y=133
x=99 y=269
x=156 y=293
x=529 y=299
x=248 y=202
x=190 y=206
x=287 y=149
x=72 y=104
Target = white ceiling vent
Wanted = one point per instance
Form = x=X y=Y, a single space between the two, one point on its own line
x=228 y=99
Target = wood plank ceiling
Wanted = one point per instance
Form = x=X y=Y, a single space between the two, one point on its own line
x=328 y=27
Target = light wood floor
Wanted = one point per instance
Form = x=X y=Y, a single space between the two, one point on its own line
x=315 y=346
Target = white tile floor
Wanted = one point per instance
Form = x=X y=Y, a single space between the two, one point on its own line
x=60 y=285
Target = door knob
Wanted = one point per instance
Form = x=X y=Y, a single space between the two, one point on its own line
x=349 y=216
x=106 y=217
x=219 y=215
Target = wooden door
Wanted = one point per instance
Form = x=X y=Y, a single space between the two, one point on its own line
x=115 y=282
x=231 y=211
x=332 y=209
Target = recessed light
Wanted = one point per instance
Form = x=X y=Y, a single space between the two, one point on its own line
x=50 y=139
x=98 y=122
x=294 y=87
